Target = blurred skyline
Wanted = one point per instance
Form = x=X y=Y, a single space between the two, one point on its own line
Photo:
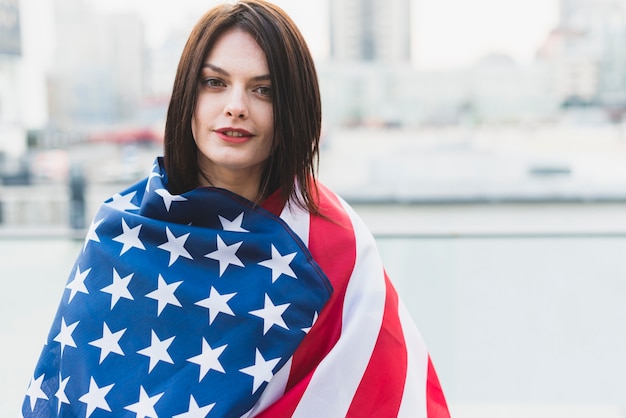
x=484 y=61
x=447 y=34
x=502 y=76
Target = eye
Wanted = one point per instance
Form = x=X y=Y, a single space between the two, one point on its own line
x=213 y=82
x=265 y=91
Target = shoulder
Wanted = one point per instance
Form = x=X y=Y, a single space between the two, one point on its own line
x=337 y=226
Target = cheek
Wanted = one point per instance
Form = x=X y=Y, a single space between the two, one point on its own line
x=196 y=123
x=196 y=117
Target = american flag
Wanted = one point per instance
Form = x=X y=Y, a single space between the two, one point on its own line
x=177 y=306
x=201 y=305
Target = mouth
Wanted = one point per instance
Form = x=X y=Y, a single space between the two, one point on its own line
x=233 y=134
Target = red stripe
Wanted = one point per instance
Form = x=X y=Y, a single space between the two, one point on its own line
x=333 y=246
x=380 y=391
x=436 y=405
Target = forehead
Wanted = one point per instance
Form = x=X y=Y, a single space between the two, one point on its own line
x=237 y=48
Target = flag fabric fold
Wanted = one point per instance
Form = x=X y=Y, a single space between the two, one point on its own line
x=203 y=305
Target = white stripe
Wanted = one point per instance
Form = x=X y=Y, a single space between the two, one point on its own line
x=336 y=379
x=298 y=220
x=414 y=397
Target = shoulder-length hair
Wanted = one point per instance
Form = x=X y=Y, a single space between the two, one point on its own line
x=292 y=165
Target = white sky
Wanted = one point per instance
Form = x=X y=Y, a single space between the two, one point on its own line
x=452 y=33
x=447 y=33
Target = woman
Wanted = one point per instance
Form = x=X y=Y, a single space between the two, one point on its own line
x=230 y=282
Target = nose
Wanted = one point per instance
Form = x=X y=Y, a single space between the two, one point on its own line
x=236 y=106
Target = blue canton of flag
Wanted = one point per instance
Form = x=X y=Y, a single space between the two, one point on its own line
x=177 y=306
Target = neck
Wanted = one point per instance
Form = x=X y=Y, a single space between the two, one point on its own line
x=243 y=184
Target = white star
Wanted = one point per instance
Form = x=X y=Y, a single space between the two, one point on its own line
x=78 y=284
x=175 y=246
x=123 y=203
x=271 y=314
x=60 y=395
x=279 y=264
x=225 y=254
x=152 y=175
x=216 y=303
x=109 y=343
x=129 y=237
x=34 y=391
x=157 y=351
x=119 y=288
x=145 y=406
x=194 y=410
x=208 y=359
x=306 y=330
x=91 y=233
x=234 y=225
x=95 y=397
x=261 y=371
x=64 y=337
x=168 y=198
x=164 y=295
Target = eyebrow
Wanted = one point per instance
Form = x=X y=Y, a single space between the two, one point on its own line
x=264 y=77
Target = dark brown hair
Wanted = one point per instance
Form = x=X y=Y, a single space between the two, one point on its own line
x=296 y=103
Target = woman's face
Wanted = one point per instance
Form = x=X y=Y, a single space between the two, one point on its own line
x=233 y=124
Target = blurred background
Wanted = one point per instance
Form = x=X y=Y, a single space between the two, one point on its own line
x=483 y=142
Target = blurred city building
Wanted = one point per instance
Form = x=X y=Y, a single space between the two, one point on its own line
x=370 y=30
x=10 y=54
x=580 y=70
x=12 y=132
x=98 y=76
x=495 y=90
x=587 y=52
x=163 y=62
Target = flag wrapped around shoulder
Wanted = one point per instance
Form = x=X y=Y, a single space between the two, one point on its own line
x=177 y=306
x=364 y=357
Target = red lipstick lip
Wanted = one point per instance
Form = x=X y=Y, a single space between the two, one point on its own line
x=245 y=135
